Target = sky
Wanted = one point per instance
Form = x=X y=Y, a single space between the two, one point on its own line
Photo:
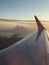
x=24 y=9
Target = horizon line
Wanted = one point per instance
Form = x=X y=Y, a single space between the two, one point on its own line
x=20 y=19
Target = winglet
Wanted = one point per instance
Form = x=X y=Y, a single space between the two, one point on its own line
x=40 y=26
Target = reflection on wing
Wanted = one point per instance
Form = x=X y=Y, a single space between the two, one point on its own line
x=27 y=51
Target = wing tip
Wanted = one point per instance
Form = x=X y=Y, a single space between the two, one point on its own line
x=38 y=23
x=40 y=27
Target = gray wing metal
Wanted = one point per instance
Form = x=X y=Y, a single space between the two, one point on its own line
x=27 y=51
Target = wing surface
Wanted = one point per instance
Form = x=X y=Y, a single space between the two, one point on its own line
x=28 y=51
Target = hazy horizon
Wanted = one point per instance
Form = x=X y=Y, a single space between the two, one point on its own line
x=27 y=27
x=8 y=25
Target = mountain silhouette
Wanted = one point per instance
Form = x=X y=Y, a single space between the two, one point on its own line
x=21 y=30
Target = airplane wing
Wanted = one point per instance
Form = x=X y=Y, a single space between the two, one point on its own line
x=32 y=50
